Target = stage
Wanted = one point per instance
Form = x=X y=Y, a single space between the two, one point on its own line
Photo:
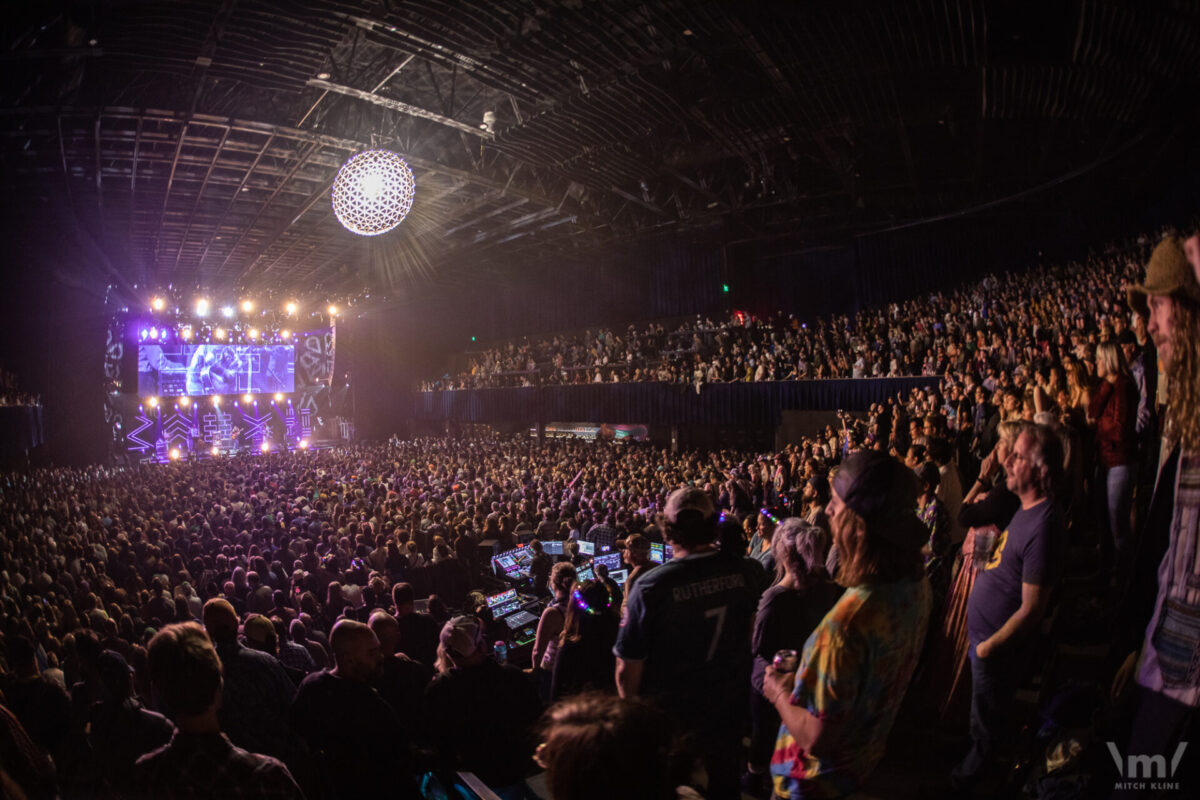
x=217 y=453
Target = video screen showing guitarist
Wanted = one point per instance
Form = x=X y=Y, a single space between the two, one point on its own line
x=213 y=369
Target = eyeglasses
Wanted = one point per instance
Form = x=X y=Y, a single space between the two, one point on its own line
x=539 y=756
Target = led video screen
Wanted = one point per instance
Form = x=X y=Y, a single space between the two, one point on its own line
x=173 y=370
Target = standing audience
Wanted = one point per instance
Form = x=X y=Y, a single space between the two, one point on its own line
x=199 y=761
x=838 y=708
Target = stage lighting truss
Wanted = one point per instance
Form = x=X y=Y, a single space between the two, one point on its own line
x=373 y=192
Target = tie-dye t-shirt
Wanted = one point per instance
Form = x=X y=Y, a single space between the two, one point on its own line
x=855 y=669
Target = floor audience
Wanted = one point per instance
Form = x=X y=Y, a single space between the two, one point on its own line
x=261 y=626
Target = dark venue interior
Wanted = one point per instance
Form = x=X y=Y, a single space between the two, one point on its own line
x=592 y=399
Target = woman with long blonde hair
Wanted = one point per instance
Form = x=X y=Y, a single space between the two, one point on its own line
x=1077 y=386
x=1113 y=409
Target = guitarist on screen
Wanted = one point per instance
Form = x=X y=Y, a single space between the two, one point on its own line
x=213 y=369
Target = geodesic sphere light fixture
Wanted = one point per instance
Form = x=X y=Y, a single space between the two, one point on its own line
x=373 y=192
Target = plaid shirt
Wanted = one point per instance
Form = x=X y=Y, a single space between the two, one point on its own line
x=207 y=765
x=603 y=536
x=296 y=656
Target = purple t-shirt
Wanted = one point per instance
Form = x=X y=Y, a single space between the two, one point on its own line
x=1028 y=551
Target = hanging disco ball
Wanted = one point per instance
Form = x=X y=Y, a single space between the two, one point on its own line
x=373 y=192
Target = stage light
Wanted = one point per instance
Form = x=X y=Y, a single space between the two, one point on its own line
x=144 y=334
x=152 y=402
x=202 y=307
x=332 y=311
x=216 y=451
x=278 y=396
x=285 y=334
x=154 y=333
x=291 y=307
x=247 y=398
x=174 y=454
x=247 y=306
x=227 y=312
x=373 y=192
x=304 y=444
x=216 y=401
x=186 y=333
x=253 y=333
x=266 y=447
x=158 y=304
x=185 y=401
x=219 y=333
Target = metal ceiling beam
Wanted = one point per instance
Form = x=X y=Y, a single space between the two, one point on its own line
x=200 y=193
x=639 y=201
x=236 y=193
x=295 y=134
x=304 y=209
x=300 y=162
x=404 y=108
x=170 y=180
x=488 y=215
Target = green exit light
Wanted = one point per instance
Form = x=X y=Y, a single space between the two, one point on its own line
x=472 y=338
x=724 y=287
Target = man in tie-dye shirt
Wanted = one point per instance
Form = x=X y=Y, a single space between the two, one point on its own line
x=838 y=709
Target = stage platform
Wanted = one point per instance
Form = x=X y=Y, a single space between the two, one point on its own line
x=315 y=445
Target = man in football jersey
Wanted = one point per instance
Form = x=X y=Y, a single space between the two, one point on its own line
x=684 y=642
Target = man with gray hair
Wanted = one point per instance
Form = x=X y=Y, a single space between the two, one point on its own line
x=1011 y=593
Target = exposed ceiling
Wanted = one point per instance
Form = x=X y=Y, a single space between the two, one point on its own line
x=199 y=140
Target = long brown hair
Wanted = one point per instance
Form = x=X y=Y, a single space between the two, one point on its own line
x=589 y=613
x=865 y=557
x=1183 y=389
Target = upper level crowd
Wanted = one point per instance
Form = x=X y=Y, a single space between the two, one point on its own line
x=265 y=605
x=11 y=393
x=989 y=326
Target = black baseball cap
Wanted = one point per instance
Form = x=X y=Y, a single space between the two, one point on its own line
x=883 y=491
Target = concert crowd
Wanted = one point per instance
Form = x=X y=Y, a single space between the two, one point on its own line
x=248 y=626
x=11 y=393
x=989 y=326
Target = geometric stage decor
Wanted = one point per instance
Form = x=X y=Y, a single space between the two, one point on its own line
x=373 y=192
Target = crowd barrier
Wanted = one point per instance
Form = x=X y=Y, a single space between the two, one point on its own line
x=661 y=403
